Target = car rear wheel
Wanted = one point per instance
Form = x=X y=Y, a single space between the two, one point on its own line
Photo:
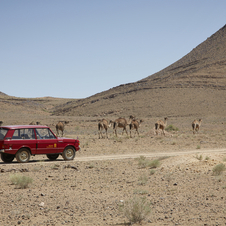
x=7 y=158
x=52 y=156
x=23 y=155
x=68 y=153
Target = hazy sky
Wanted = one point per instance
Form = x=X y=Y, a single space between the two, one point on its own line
x=77 y=48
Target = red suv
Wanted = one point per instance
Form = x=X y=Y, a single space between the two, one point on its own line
x=23 y=141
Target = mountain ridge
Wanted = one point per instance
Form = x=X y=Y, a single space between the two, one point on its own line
x=180 y=89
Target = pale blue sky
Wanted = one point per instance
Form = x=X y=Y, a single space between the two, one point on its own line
x=77 y=48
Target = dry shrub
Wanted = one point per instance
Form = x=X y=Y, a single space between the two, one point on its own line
x=218 y=169
x=142 y=180
x=153 y=164
x=143 y=162
x=136 y=209
x=20 y=181
x=199 y=157
x=171 y=128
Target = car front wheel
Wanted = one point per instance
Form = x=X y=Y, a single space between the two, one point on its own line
x=68 y=153
x=7 y=158
x=52 y=156
x=23 y=155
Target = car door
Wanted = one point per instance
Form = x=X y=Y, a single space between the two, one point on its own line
x=23 y=138
x=46 y=141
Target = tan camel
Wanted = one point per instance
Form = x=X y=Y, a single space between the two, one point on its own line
x=135 y=124
x=103 y=124
x=122 y=123
x=196 y=125
x=161 y=125
x=33 y=123
x=60 y=126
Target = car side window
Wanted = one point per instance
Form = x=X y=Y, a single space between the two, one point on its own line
x=44 y=133
x=23 y=134
x=3 y=132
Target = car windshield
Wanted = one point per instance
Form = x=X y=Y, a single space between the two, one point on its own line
x=44 y=133
x=3 y=132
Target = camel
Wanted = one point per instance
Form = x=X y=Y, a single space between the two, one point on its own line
x=196 y=125
x=33 y=123
x=161 y=125
x=135 y=125
x=122 y=123
x=60 y=126
x=103 y=124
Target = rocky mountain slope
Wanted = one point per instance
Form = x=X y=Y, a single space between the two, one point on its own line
x=192 y=86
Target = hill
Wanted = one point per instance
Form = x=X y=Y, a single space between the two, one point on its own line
x=194 y=85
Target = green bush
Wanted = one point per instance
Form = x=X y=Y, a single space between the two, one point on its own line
x=218 y=169
x=136 y=209
x=20 y=181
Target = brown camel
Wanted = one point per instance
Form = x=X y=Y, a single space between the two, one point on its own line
x=135 y=124
x=122 y=123
x=33 y=123
x=103 y=124
x=161 y=125
x=196 y=125
x=60 y=126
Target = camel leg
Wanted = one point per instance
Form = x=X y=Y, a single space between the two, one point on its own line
x=124 y=129
x=106 y=133
x=115 y=133
x=100 y=133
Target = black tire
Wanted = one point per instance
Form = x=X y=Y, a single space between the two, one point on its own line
x=52 y=156
x=7 y=158
x=68 y=153
x=23 y=155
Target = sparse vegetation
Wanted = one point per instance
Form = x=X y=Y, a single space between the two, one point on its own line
x=153 y=164
x=207 y=158
x=199 y=157
x=218 y=169
x=143 y=162
x=171 y=128
x=136 y=209
x=142 y=180
x=198 y=147
x=20 y=181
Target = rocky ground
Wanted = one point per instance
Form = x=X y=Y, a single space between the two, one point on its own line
x=108 y=173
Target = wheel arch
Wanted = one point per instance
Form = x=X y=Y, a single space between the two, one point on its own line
x=25 y=148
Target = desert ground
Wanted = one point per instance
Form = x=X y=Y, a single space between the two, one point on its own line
x=106 y=174
x=172 y=177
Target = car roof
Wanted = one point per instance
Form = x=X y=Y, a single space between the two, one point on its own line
x=23 y=126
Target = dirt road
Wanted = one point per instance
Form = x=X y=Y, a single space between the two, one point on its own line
x=132 y=156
